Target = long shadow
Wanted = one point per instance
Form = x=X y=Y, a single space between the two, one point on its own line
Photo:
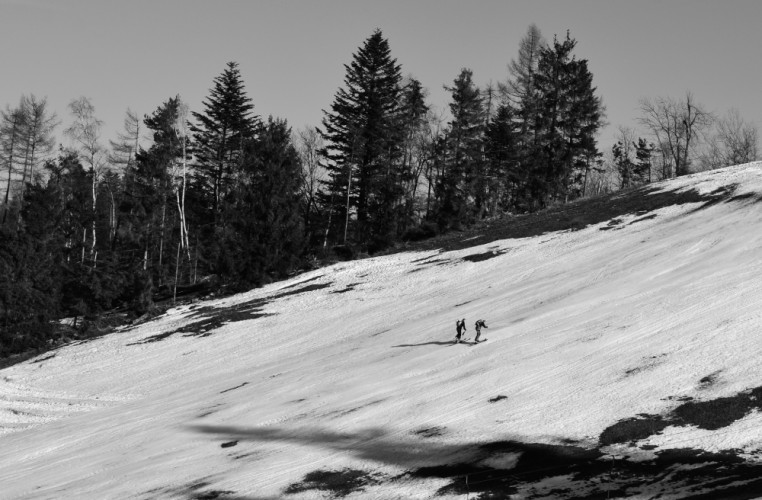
x=433 y=342
x=500 y=469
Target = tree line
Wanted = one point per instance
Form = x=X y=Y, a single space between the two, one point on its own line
x=187 y=200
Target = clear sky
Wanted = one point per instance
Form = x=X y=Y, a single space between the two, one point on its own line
x=137 y=53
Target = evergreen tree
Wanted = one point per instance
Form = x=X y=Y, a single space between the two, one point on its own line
x=149 y=188
x=224 y=129
x=624 y=165
x=264 y=240
x=501 y=139
x=568 y=118
x=362 y=143
x=643 y=158
x=461 y=185
x=30 y=259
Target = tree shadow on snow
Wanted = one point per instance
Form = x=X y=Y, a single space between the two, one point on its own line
x=500 y=469
x=640 y=202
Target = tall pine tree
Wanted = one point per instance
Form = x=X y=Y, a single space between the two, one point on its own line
x=462 y=183
x=569 y=116
x=362 y=144
x=224 y=128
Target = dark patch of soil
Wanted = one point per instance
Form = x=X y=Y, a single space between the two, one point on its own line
x=479 y=257
x=338 y=483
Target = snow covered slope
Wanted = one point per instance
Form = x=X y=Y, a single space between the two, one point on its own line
x=623 y=359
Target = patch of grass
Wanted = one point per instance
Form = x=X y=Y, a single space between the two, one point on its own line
x=338 y=483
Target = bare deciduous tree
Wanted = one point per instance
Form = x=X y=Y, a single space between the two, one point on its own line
x=309 y=143
x=677 y=126
x=519 y=87
x=12 y=124
x=734 y=142
x=124 y=149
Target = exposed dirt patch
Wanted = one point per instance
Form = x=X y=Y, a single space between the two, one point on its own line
x=338 y=483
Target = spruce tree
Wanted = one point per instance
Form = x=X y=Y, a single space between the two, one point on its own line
x=569 y=116
x=501 y=139
x=224 y=128
x=362 y=143
x=264 y=238
x=643 y=158
x=461 y=185
x=623 y=163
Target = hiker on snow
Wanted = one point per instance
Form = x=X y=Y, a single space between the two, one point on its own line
x=479 y=325
x=460 y=327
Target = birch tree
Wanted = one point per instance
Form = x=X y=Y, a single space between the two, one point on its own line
x=85 y=133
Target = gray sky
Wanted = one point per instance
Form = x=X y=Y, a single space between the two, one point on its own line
x=137 y=53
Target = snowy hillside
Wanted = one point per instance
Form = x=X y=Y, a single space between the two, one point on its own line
x=623 y=360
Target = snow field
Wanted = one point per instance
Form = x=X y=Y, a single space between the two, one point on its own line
x=585 y=328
